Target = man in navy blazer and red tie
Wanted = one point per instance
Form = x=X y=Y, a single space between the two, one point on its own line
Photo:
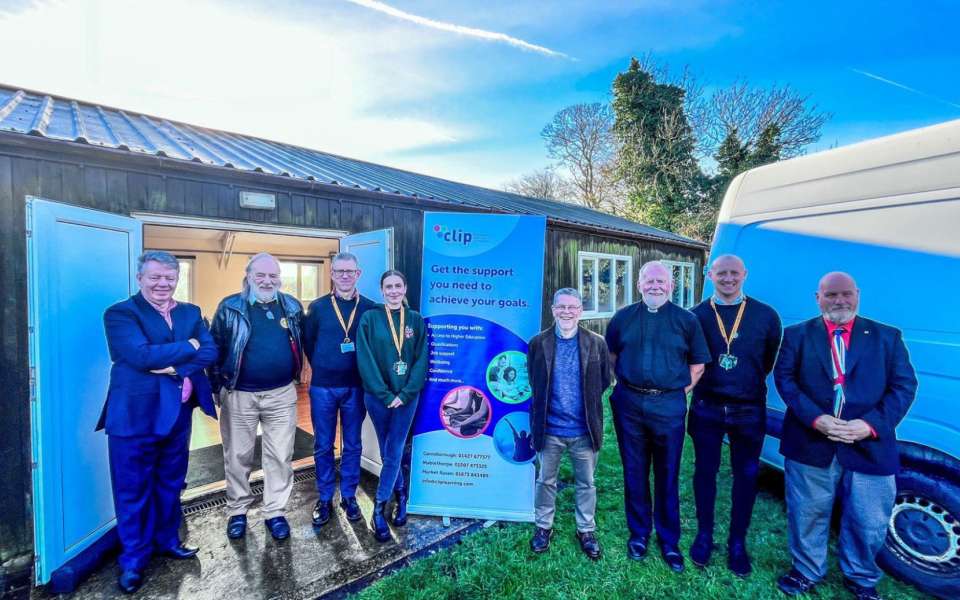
x=847 y=382
x=159 y=348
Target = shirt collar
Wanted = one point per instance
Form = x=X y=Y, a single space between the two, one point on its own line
x=716 y=300
x=556 y=330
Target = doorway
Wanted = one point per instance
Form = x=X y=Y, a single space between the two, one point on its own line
x=212 y=267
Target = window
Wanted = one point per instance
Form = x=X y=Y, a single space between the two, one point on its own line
x=606 y=283
x=683 y=282
x=184 y=292
x=300 y=279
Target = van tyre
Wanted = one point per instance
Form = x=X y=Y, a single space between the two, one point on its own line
x=923 y=540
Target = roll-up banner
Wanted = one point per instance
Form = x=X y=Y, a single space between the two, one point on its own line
x=481 y=298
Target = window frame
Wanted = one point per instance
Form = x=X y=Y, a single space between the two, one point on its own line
x=300 y=264
x=684 y=266
x=596 y=257
x=191 y=279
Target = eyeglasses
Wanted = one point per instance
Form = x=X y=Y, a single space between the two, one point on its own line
x=567 y=307
x=345 y=272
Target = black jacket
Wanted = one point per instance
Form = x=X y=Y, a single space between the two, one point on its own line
x=880 y=387
x=231 y=332
x=595 y=378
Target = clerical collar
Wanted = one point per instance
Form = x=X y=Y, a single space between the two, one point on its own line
x=719 y=302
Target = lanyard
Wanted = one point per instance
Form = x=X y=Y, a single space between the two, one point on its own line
x=397 y=337
x=336 y=309
x=736 y=323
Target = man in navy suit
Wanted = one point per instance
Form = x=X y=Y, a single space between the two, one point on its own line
x=847 y=382
x=159 y=348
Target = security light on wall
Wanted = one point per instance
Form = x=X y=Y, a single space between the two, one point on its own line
x=258 y=200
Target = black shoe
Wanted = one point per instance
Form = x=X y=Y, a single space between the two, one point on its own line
x=540 y=542
x=237 y=527
x=279 y=528
x=738 y=561
x=351 y=508
x=860 y=592
x=637 y=549
x=400 y=509
x=589 y=544
x=130 y=581
x=671 y=555
x=381 y=530
x=321 y=512
x=701 y=549
x=180 y=551
x=794 y=584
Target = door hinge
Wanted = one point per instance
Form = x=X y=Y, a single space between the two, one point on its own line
x=33 y=384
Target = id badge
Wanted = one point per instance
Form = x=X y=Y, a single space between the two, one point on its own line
x=727 y=361
x=346 y=347
x=400 y=368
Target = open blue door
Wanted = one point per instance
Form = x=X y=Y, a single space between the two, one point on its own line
x=80 y=261
x=374 y=250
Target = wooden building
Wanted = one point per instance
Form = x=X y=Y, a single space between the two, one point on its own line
x=210 y=196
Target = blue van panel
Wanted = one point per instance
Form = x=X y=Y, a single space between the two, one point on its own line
x=914 y=291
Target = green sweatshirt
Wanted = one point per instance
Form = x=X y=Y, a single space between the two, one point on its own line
x=376 y=355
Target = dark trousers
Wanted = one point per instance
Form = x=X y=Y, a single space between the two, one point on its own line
x=650 y=430
x=147 y=473
x=325 y=403
x=392 y=426
x=745 y=426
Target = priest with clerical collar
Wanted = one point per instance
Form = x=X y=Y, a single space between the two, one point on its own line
x=659 y=352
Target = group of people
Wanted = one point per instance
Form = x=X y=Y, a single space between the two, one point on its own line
x=846 y=380
x=366 y=359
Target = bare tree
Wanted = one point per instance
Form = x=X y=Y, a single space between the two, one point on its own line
x=750 y=111
x=542 y=183
x=580 y=138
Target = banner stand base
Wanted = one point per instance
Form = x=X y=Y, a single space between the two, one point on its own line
x=489 y=523
x=446 y=521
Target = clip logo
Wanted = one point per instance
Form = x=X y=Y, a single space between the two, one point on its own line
x=454 y=236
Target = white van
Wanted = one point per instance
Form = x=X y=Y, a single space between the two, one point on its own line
x=887 y=211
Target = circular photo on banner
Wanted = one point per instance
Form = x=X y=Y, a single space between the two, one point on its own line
x=507 y=377
x=465 y=412
x=512 y=438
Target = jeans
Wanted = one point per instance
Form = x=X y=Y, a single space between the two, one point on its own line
x=392 y=426
x=867 y=502
x=650 y=431
x=745 y=426
x=325 y=403
x=584 y=461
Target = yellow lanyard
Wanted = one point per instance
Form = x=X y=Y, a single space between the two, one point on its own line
x=336 y=309
x=397 y=337
x=736 y=322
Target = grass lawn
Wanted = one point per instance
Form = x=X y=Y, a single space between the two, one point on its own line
x=497 y=562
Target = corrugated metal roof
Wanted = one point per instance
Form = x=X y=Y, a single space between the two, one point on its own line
x=64 y=119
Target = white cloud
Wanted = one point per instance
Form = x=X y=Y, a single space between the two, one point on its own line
x=316 y=83
x=482 y=34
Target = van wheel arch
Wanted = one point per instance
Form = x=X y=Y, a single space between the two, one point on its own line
x=923 y=538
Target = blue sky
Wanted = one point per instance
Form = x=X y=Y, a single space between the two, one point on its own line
x=461 y=90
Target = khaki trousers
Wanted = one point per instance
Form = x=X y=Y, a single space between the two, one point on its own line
x=276 y=413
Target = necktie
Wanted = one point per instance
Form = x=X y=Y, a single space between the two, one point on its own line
x=839 y=353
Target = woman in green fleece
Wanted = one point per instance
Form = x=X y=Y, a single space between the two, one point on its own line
x=392 y=358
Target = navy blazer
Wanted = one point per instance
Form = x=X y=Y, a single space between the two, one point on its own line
x=140 y=402
x=880 y=387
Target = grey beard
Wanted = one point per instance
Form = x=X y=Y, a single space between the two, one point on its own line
x=255 y=296
x=652 y=305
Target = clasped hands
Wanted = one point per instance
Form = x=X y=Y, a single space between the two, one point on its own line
x=170 y=370
x=838 y=430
